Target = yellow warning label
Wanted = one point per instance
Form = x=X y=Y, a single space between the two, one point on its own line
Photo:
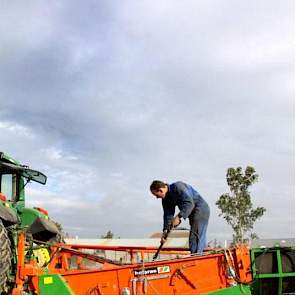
x=48 y=280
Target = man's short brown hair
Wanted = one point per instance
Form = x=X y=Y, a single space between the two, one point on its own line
x=157 y=184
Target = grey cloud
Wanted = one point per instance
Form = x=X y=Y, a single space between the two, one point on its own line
x=116 y=94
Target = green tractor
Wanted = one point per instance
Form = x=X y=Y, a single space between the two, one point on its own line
x=14 y=216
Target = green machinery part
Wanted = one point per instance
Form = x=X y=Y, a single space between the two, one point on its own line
x=273 y=270
x=54 y=284
x=235 y=290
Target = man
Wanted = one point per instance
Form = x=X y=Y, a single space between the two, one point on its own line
x=190 y=204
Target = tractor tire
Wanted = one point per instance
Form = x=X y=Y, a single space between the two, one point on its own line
x=5 y=258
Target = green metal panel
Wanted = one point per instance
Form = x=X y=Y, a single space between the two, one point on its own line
x=28 y=215
x=273 y=270
x=21 y=193
x=236 y=290
x=54 y=285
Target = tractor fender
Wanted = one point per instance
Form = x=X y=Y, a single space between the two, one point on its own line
x=43 y=229
x=8 y=215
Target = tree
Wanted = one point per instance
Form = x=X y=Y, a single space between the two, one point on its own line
x=236 y=206
x=108 y=235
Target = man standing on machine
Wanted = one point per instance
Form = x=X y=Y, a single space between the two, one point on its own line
x=191 y=205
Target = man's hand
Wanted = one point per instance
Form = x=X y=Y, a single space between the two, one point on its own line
x=163 y=240
x=176 y=221
x=164 y=237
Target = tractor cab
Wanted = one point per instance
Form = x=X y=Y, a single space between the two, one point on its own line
x=14 y=178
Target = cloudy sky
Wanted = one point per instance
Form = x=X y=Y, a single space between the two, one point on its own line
x=105 y=96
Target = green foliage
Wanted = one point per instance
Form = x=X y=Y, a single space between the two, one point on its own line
x=108 y=235
x=236 y=207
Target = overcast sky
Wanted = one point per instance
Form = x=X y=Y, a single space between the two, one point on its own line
x=105 y=96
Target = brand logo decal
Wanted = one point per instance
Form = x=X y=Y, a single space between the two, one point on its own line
x=152 y=270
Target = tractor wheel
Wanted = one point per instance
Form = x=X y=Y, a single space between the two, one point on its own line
x=5 y=258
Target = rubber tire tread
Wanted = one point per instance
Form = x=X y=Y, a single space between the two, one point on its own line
x=5 y=257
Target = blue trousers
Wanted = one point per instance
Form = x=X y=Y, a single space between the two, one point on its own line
x=198 y=220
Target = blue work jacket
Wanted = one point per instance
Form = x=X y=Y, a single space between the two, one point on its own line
x=185 y=197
